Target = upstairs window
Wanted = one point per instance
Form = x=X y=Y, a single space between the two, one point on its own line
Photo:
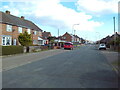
x=40 y=33
x=28 y=30
x=64 y=37
x=19 y=29
x=35 y=32
x=9 y=28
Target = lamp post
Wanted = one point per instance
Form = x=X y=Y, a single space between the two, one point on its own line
x=114 y=32
x=74 y=31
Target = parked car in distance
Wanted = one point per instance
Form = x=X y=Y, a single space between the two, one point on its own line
x=102 y=46
x=68 y=45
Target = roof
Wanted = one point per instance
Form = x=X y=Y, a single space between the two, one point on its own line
x=66 y=34
x=76 y=36
x=45 y=35
x=17 y=21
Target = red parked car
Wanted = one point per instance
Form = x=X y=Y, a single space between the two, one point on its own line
x=68 y=45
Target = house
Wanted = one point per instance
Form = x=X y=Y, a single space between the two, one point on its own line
x=12 y=26
x=77 y=39
x=70 y=38
x=107 y=40
x=66 y=37
x=115 y=36
x=45 y=36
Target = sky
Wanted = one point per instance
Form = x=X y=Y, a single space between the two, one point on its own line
x=90 y=19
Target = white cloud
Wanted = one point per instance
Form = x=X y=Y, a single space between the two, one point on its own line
x=98 y=6
x=52 y=13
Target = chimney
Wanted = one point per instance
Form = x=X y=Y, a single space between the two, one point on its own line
x=22 y=17
x=7 y=12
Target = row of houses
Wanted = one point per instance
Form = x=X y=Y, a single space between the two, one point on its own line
x=11 y=26
x=113 y=40
x=71 y=38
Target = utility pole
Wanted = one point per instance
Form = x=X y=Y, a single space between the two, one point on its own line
x=73 y=30
x=114 y=33
x=114 y=24
x=58 y=32
x=74 y=36
x=58 y=37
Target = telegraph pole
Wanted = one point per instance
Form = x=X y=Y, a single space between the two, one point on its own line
x=114 y=32
x=58 y=37
x=58 y=32
x=114 y=24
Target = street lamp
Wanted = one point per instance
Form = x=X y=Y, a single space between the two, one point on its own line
x=74 y=31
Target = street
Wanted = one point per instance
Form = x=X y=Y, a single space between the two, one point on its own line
x=84 y=67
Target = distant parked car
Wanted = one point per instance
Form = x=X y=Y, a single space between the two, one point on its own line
x=68 y=45
x=102 y=46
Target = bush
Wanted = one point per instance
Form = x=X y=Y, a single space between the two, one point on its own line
x=9 y=50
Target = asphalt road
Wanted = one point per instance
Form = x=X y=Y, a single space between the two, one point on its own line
x=85 y=67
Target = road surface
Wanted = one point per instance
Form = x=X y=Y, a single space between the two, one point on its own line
x=85 y=67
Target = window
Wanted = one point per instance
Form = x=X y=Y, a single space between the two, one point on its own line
x=3 y=41
x=28 y=30
x=9 y=28
x=6 y=40
x=35 y=32
x=20 y=29
x=64 y=37
x=40 y=33
x=35 y=42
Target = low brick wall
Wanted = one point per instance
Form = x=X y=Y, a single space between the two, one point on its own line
x=116 y=48
x=32 y=49
x=36 y=48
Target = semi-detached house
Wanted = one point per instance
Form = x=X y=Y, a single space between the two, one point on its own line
x=11 y=26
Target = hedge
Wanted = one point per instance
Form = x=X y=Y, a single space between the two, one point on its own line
x=9 y=50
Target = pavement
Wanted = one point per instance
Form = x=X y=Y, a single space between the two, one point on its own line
x=84 y=67
x=112 y=57
x=12 y=61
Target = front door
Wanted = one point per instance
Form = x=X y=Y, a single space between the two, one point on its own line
x=14 y=42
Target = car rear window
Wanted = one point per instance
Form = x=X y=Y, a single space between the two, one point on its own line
x=68 y=44
x=102 y=44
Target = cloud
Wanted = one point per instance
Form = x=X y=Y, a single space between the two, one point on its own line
x=52 y=13
x=98 y=6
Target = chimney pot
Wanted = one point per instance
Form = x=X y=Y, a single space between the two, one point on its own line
x=22 y=17
x=7 y=12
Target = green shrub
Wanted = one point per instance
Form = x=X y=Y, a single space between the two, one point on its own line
x=9 y=50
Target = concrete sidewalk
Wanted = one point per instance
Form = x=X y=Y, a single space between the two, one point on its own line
x=22 y=59
x=112 y=58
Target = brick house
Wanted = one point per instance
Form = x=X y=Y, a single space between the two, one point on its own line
x=107 y=40
x=70 y=38
x=66 y=37
x=11 y=26
x=45 y=35
x=77 y=39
